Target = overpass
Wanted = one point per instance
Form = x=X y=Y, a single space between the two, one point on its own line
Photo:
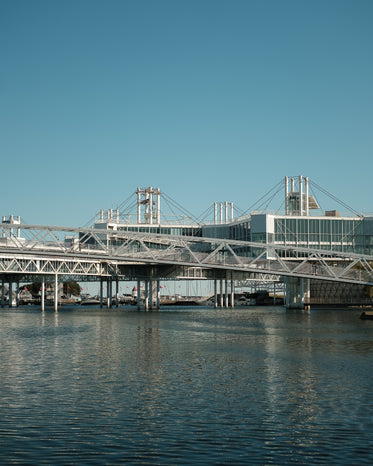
x=47 y=252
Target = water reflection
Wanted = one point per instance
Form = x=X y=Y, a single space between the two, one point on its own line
x=260 y=385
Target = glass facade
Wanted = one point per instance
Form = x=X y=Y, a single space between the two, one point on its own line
x=345 y=234
x=184 y=230
x=240 y=232
x=339 y=234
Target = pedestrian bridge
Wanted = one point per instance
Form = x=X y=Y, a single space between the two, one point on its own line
x=89 y=252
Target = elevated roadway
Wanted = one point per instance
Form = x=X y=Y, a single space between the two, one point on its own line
x=43 y=250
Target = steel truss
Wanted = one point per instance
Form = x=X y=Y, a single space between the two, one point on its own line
x=35 y=249
x=44 y=265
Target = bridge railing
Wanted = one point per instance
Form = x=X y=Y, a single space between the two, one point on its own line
x=122 y=247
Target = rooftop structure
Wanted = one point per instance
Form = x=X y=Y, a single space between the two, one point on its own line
x=137 y=241
x=295 y=226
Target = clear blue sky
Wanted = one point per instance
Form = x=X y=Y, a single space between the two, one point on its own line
x=208 y=100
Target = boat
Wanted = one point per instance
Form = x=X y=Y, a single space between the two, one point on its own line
x=90 y=302
x=367 y=315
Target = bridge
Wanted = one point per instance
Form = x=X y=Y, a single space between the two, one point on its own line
x=58 y=253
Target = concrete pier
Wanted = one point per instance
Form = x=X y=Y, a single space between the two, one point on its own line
x=297 y=289
x=56 y=292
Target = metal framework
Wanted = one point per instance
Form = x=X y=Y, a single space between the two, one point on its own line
x=44 y=250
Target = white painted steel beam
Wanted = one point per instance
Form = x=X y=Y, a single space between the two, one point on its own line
x=46 y=253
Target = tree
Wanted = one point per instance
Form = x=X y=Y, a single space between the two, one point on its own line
x=33 y=288
x=71 y=288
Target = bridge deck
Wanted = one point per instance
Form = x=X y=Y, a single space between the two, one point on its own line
x=35 y=249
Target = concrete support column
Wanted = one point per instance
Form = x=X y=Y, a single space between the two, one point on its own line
x=151 y=294
x=116 y=292
x=109 y=292
x=307 y=292
x=2 y=292
x=10 y=294
x=221 y=294
x=146 y=295
x=158 y=295
x=101 y=291
x=56 y=293
x=17 y=293
x=215 y=293
x=226 y=296
x=296 y=290
x=42 y=297
x=274 y=293
x=232 y=293
x=138 y=295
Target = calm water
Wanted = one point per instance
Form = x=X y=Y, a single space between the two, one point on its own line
x=192 y=385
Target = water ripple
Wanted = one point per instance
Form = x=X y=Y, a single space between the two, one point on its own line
x=258 y=386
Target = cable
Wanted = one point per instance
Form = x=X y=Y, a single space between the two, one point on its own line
x=205 y=214
x=122 y=205
x=342 y=203
x=263 y=197
x=171 y=208
x=271 y=198
x=179 y=206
